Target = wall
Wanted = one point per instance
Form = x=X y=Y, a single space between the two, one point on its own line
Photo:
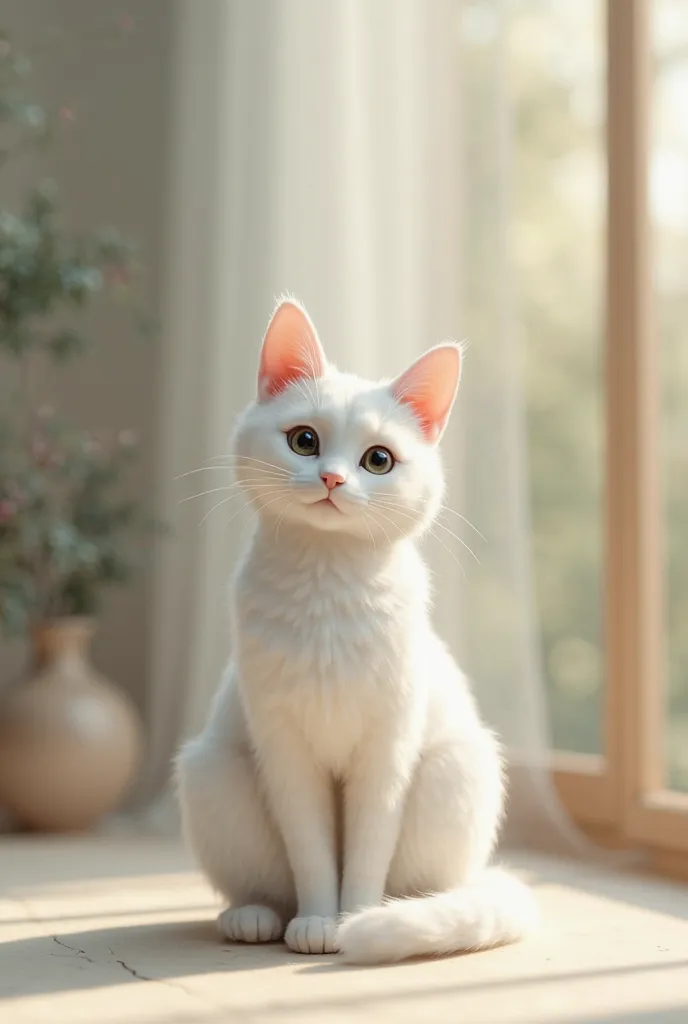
x=111 y=167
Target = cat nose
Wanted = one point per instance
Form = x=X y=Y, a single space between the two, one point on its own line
x=332 y=480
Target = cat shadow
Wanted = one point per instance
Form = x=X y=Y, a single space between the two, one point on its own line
x=162 y=951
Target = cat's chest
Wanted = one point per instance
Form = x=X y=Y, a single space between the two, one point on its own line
x=327 y=647
x=325 y=659
x=326 y=625
x=318 y=627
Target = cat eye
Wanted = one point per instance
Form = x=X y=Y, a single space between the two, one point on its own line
x=303 y=441
x=378 y=461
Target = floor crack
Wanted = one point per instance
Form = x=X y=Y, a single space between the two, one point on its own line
x=131 y=970
x=200 y=997
x=74 y=949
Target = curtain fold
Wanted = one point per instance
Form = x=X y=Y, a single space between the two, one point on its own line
x=331 y=150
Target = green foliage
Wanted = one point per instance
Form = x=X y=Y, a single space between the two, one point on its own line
x=23 y=121
x=45 y=273
x=65 y=531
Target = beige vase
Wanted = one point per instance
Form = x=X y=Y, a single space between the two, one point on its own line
x=70 y=742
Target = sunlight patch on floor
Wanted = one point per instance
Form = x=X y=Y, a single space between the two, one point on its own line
x=105 y=931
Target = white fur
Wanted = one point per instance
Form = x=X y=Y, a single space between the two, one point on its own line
x=344 y=760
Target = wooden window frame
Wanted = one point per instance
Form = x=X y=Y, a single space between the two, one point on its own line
x=623 y=793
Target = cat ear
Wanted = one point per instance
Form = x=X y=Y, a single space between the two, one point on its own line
x=429 y=388
x=290 y=352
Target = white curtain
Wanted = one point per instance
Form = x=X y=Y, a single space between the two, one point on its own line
x=324 y=148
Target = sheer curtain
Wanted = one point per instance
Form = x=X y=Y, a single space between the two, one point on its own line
x=325 y=149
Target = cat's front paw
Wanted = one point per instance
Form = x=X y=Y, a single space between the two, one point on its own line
x=250 y=924
x=312 y=935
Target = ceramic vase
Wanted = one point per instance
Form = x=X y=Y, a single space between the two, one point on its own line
x=70 y=741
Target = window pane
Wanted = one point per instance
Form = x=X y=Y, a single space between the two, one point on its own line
x=557 y=84
x=669 y=206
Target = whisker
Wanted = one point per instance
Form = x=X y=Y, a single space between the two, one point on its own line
x=448 y=508
x=432 y=534
x=247 y=458
x=231 y=497
x=280 y=494
x=279 y=521
x=443 y=508
x=202 y=494
x=203 y=469
x=228 y=487
x=247 y=505
x=248 y=522
x=226 y=469
x=391 y=521
x=235 y=514
x=370 y=532
x=452 y=553
x=401 y=511
x=217 y=505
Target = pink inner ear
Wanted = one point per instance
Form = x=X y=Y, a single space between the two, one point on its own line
x=291 y=351
x=429 y=386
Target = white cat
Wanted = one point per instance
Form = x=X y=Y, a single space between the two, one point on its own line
x=344 y=762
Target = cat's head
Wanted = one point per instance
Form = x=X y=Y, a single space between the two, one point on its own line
x=336 y=453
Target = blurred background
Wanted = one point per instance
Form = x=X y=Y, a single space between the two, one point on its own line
x=411 y=171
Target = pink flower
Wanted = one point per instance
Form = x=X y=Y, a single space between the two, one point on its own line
x=66 y=114
x=8 y=510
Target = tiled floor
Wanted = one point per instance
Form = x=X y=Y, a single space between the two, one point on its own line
x=106 y=931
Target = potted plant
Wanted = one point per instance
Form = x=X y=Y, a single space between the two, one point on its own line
x=69 y=740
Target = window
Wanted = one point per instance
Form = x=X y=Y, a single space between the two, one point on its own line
x=669 y=224
x=557 y=67
x=603 y=88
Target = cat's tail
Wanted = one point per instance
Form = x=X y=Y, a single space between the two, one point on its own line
x=493 y=910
